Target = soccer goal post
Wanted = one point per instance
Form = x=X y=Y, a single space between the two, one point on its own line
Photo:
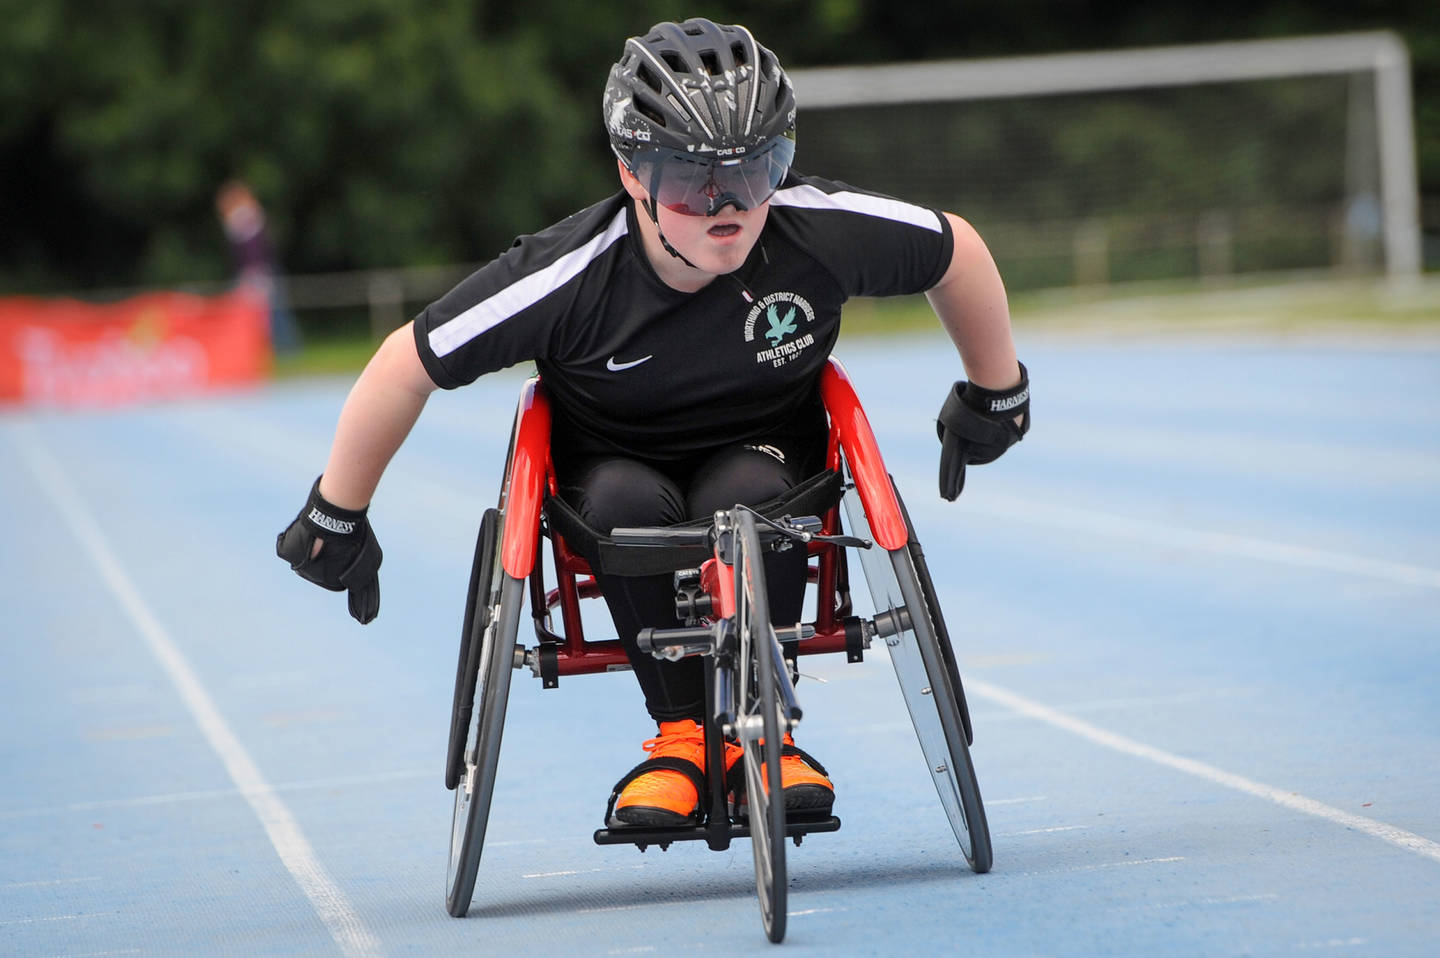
x=1200 y=160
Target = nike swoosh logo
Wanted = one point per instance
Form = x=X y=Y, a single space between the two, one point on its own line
x=615 y=367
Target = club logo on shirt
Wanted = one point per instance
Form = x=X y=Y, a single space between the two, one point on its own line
x=779 y=328
x=782 y=337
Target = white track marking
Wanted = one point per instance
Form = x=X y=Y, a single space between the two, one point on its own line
x=1112 y=525
x=609 y=908
x=1387 y=833
x=1192 y=902
x=205 y=795
x=33 y=921
x=583 y=871
x=284 y=832
x=1128 y=864
x=48 y=882
x=1044 y=831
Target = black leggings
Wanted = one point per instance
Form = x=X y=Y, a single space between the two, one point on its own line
x=611 y=492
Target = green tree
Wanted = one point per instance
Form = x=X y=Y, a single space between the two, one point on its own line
x=394 y=132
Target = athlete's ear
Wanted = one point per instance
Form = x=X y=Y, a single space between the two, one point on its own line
x=631 y=184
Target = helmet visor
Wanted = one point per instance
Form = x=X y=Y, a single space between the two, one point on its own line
x=703 y=186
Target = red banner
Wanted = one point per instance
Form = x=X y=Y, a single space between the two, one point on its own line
x=68 y=352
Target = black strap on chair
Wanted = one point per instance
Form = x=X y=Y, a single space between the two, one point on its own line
x=812 y=497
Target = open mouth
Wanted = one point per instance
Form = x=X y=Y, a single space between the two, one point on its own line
x=725 y=229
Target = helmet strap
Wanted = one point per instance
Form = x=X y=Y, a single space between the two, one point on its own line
x=649 y=204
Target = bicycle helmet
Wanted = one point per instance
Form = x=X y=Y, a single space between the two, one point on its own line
x=697 y=87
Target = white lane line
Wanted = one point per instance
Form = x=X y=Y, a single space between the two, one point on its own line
x=583 y=871
x=209 y=794
x=1011 y=801
x=1228 y=900
x=1044 y=831
x=1127 y=864
x=1387 y=833
x=32 y=921
x=520 y=841
x=1111 y=525
x=609 y=908
x=47 y=882
x=284 y=832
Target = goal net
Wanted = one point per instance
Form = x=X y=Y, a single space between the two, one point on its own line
x=1167 y=163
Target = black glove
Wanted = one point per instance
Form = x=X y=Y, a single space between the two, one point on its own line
x=349 y=558
x=976 y=425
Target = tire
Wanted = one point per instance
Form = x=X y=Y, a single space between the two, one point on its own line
x=929 y=684
x=493 y=624
x=932 y=699
x=758 y=714
x=482 y=594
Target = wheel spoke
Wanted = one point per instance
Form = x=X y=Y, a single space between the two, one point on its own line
x=759 y=720
x=925 y=683
x=496 y=612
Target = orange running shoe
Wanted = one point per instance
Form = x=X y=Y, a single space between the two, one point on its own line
x=804 y=782
x=664 y=790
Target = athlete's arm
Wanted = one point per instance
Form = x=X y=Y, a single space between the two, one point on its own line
x=971 y=304
x=379 y=413
x=330 y=542
x=984 y=417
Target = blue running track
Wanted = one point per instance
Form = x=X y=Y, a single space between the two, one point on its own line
x=1198 y=613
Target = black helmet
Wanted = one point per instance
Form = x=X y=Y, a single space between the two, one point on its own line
x=697 y=87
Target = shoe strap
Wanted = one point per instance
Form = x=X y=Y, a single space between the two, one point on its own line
x=806 y=757
x=735 y=778
x=660 y=763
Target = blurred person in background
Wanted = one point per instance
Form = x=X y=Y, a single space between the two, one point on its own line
x=243 y=220
x=680 y=327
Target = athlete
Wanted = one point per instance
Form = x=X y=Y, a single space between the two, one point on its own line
x=680 y=327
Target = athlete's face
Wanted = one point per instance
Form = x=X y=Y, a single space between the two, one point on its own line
x=716 y=244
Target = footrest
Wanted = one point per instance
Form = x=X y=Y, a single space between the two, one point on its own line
x=795 y=827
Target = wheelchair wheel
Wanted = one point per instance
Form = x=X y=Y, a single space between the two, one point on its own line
x=482 y=690
x=758 y=723
x=929 y=682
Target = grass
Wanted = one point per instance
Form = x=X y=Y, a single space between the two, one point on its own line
x=1297 y=304
x=326 y=357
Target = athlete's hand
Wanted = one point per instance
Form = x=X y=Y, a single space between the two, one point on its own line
x=976 y=425
x=348 y=556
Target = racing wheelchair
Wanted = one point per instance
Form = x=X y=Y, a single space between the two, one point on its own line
x=721 y=595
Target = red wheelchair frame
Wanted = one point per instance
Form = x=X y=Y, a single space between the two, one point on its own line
x=532 y=478
x=508 y=563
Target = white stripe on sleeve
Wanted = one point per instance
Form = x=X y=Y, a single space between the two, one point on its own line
x=523 y=293
x=810 y=198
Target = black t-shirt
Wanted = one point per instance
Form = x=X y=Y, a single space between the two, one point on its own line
x=637 y=368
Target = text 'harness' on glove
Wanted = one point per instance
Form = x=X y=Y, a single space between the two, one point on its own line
x=349 y=557
x=976 y=425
